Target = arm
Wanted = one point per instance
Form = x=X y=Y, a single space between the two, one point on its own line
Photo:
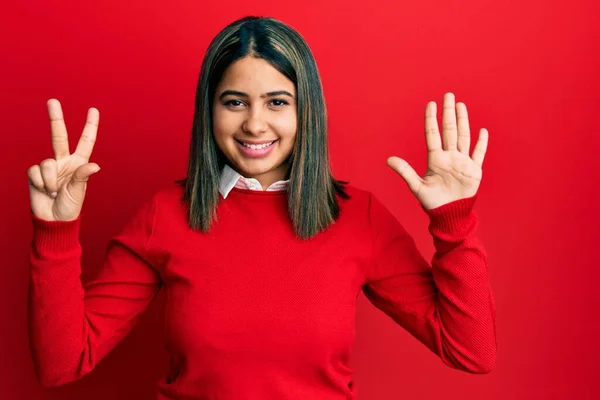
x=72 y=327
x=448 y=305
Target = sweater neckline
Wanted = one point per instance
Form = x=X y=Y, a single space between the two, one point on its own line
x=264 y=193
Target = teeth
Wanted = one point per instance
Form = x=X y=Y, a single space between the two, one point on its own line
x=257 y=147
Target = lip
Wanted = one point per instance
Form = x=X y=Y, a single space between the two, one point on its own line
x=257 y=142
x=259 y=153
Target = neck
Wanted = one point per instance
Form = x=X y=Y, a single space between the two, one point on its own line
x=268 y=178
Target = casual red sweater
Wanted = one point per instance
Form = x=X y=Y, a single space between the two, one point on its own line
x=253 y=312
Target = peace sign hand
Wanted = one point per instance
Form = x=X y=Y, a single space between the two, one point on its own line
x=451 y=174
x=57 y=186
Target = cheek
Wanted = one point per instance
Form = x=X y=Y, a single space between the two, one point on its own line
x=222 y=126
x=286 y=126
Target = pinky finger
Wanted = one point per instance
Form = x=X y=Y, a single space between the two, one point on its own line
x=34 y=175
x=480 y=147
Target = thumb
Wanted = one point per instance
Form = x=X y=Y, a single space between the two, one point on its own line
x=402 y=168
x=77 y=184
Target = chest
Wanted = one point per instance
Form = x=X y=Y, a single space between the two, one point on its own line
x=272 y=301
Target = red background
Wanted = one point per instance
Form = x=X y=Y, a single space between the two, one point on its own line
x=528 y=72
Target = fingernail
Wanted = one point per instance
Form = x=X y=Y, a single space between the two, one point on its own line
x=53 y=194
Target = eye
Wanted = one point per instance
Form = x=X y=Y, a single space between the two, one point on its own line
x=279 y=102
x=233 y=103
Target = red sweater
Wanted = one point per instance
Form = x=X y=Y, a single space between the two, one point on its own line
x=252 y=311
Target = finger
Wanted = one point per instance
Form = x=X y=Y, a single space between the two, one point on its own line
x=402 y=168
x=480 y=147
x=449 y=132
x=432 y=131
x=88 y=136
x=77 y=185
x=464 y=133
x=49 y=170
x=34 y=176
x=60 y=140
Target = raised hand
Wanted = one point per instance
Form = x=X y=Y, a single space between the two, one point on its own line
x=57 y=185
x=451 y=173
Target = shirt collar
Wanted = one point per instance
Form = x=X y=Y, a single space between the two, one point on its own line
x=230 y=178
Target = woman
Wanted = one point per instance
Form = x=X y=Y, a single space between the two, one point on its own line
x=261 y=252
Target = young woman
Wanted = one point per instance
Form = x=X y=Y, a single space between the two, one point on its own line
x=261 y=252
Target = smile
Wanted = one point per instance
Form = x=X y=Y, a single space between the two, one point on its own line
x=256 y=151
x=257 y=146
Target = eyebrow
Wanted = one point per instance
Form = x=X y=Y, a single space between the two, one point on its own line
x=242 y=94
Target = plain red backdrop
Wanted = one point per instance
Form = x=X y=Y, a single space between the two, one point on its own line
x=528 y=72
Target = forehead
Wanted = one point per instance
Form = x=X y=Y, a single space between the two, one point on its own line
x=251 y=74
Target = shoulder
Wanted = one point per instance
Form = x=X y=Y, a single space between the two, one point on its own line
x=358 y=203
x=357 y=194
x=365 y=202
x=166 y=202
x=167 y=194
x=358 y=197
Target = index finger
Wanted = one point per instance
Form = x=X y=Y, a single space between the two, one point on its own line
x=432 y=131
x=60 y=140
x=88 y=136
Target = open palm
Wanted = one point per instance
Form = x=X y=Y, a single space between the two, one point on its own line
x=451 y=173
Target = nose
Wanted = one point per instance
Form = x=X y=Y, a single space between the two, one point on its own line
x=255 y=123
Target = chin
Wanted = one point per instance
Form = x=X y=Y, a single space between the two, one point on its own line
x=254 y=168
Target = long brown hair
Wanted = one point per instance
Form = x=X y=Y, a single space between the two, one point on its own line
x=312 y=202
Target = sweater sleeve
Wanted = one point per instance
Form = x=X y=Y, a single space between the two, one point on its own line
x=73 y=326
x=448 y=305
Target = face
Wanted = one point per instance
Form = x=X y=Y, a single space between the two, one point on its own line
x=254 y=107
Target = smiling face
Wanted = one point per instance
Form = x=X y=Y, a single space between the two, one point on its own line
x=255 y=106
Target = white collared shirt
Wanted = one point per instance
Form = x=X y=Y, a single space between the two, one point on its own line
x=230 y=178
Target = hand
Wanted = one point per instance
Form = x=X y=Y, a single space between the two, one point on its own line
x=451 y=174
x=66 y=174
